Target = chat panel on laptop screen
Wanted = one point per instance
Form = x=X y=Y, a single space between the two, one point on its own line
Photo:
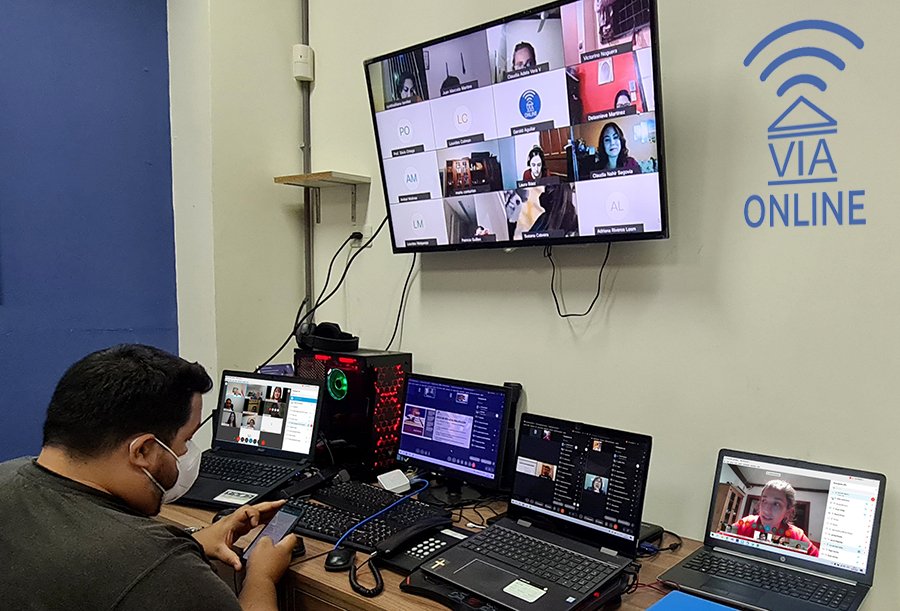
x=453 y=425
x=820 y=516
x=587 y=476
x=278 y=415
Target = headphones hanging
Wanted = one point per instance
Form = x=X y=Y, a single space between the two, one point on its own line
x=326 y=336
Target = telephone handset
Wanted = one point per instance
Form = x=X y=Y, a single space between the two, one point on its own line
x=395 y=543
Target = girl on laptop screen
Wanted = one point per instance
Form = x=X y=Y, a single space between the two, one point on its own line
x=772 y=524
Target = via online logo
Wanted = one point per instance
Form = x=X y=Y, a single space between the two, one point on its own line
x=530 y=104
x=798 y=138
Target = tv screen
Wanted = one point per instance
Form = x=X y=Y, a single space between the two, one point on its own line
x=540 y=128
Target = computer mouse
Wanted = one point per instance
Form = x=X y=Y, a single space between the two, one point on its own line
x=222 y=513
x=339 y=559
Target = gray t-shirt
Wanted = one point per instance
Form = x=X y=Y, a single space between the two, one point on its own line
x=64 y=545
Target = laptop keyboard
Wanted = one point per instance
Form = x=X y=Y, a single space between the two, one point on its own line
x=551 y=562
x=242 y=471
x=789 y=583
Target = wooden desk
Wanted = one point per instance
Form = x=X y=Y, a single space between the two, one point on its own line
x=309 y=587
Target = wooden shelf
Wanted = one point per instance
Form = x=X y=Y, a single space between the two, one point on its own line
x=323 y=180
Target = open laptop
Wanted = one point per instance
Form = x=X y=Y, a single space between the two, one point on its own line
x=264 y=431
x=761 y=553
x=573 y=522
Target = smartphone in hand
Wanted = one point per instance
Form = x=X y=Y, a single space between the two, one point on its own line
x=280 y=525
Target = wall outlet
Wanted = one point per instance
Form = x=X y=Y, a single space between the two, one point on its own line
x=366 y=231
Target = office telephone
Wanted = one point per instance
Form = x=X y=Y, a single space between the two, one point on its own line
x=406 y=550
x=401 y=551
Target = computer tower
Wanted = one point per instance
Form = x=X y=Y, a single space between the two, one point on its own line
x=361 y=409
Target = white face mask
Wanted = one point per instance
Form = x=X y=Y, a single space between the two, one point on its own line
x=188 y=469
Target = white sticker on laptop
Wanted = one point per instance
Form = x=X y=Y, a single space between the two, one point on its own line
x=236 y=497
x=524 y=590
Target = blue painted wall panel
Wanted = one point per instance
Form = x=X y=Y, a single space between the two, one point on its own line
x=87 y=254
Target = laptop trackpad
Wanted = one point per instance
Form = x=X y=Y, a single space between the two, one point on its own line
x=731 y=590
x=488 y=574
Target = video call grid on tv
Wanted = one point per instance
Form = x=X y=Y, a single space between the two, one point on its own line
x=461 y=118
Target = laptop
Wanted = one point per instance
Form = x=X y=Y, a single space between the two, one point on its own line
x=764 y=550
x=572 y=526
x=264 y=432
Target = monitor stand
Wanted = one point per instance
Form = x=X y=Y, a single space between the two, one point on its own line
x=452 y=492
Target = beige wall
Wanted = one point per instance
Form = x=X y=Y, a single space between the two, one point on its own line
x=235 y=125
x=778 y=340
x=698 y=340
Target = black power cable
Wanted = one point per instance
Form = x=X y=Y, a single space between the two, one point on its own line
x=402 y=307
x=298 y=321
x=548 y=253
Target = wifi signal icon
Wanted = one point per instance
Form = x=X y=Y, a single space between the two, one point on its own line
x=802 y=52
x=530 y=104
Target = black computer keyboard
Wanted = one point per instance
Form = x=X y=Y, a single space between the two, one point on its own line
x=242 y=471
x=366 y=499
x=551 y=562
x=352 y=502
x=781 y=581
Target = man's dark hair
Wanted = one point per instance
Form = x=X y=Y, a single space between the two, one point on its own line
x=113 y=394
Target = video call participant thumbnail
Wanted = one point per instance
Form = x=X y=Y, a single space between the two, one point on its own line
x=419 y=223
x=458 y=65
x=526 y=46
x=608 y=88
x=406 y=130
x=614 y=148
x=593 y=25
x=558 y=216
x=398 y=81
x=531 y=104
x=493 y=222
x=619 y=206
x=412 y=177
x=466 y=170
x=464 y=118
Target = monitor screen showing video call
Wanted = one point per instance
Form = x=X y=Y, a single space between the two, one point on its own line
x=825 y=517
x=590 y=476
x=455 y=428
x=540 y=128
x=270 y=412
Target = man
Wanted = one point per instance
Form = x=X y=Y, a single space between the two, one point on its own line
x=117 y=444
x=523 y=56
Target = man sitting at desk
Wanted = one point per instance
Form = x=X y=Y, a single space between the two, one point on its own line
x=117 y=445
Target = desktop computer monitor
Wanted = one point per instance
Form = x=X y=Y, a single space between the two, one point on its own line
x=458 y=430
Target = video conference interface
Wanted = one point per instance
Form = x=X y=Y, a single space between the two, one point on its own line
x=540 y=127
x=269 y=414
x=584 y=476
x=454 y=426
x=823 y=517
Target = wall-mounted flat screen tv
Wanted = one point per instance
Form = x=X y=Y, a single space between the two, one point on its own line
x=540 y=128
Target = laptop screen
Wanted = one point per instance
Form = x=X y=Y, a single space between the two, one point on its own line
x=586 y=475
x=267 y=412
x=456 y=428
x=803 y=512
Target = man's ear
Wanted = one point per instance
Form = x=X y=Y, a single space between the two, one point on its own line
x=142 y=449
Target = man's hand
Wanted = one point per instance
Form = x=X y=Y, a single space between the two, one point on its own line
x=218 y=538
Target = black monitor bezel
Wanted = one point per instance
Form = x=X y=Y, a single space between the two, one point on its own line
x=662 y=234
x=480 y=482
x=579 y=532
x=218 y=444
x=866 y=578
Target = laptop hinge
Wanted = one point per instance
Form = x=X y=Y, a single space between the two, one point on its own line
x=798 y=569
x=523 y=522
x=609 y=552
